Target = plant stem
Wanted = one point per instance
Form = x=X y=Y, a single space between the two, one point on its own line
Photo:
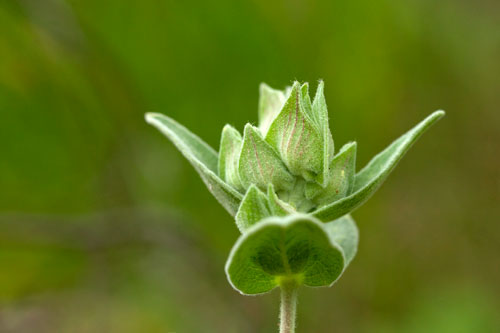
x=288 y=307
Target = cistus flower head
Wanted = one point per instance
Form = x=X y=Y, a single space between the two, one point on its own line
x=280 y=180
x=290 y=149
x=287 y=163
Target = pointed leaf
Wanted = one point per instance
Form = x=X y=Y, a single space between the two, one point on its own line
x=295 y=247
x=229 y=155
x=340 y=180
x=260 y=165
x=344 y=232
x=253 y=208
x=270 y=103
x=201 y=156
x=368 y=180
x=295 y=136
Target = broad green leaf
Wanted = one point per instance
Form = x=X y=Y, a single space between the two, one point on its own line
x=253 y=208
x=201 y=156
x=340 y=179
x=270 y=103
x=278 y=207
x=344 y=232
x=259 y=164
x=369 y=179
x=295 y=136
x=229 y=155
x=295 y=247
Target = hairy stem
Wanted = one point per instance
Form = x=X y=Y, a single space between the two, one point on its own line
x=288 y=307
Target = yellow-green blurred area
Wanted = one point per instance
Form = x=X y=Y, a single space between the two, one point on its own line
x=104 y=227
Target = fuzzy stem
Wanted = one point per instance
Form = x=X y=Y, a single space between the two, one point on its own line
x=288 y=307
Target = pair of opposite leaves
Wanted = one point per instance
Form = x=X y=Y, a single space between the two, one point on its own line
x=296 y=246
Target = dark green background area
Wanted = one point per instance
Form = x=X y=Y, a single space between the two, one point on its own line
x=104 y=227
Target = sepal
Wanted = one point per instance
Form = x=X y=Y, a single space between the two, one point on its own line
x=270 y=103
x=254 y=207
x=297 y=139
x=229 y=155
x=340 y=180
x=259 y=164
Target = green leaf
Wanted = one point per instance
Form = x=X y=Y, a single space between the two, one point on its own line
x=229 y=155
x=253 y=208
x=201 y=156
x=260 y=165
x=270 y=103
x=295 y=136
x=296 y=247
x=340 y=179
x=344 y=232
x=369 y=179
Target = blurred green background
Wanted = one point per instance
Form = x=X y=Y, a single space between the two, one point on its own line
x=104 y=227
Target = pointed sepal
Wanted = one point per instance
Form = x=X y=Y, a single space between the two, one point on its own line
x=259 y=164
x=340 y=179
x=298 y=140
x=270 y=103
x=254 y=207
x=229 y=155
x=320 y=116
x=278 y=207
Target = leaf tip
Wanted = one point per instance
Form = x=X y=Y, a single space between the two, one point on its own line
x=150 y=117
x=439 y=113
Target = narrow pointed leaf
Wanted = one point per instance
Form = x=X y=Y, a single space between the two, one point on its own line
x=229 y=155
x=201 y=156
x=369 y=179
x=253 y=208
x=295 y=136
x=294 y=247
x=340 y=179
x=260 y=165
x=344 y=232
x=270 y=103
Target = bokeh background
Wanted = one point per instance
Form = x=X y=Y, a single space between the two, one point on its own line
x=104 y=227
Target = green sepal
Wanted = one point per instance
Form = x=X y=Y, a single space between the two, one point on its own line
x=259 y=164
x=201 y=156
x=320 y=116
x=229 y=155
x=270 y=103
x=305 y=101
x=253 y=208
x=369 y=179
x=296 y=247
x=278 y=207
x=340 y=180
x=298 y=140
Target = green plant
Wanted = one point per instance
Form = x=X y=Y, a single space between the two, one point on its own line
x=289 y=193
